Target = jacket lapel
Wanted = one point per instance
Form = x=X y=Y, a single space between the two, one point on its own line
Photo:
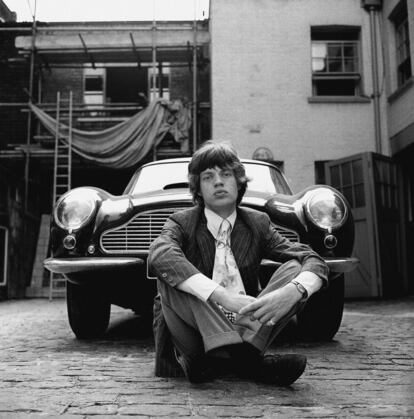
x=206 y=244
x=241 y=239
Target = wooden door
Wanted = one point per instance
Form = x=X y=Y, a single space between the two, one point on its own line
x=351 y=176
x=369 y=182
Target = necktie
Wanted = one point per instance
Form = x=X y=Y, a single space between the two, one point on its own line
x=225 y=271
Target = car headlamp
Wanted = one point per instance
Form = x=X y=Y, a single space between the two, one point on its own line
x=75 y=208
x=326 y=209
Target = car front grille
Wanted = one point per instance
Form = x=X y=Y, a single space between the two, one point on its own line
x=137 y=235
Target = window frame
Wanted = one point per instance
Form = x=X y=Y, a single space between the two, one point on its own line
x=402 y=47
x=94 y=93
x=154 y=91
x=331 y=35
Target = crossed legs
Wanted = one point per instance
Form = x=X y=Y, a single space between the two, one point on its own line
x=198 y=327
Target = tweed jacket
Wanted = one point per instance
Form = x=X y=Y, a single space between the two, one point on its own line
x=186 y=247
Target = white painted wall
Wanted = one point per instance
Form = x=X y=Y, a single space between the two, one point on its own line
x=261 y=81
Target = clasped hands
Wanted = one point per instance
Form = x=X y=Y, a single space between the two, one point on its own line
x=267 y=309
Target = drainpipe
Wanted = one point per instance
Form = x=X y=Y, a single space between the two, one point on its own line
x=372 y=6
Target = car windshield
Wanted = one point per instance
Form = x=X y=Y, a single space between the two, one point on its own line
x=163 y=176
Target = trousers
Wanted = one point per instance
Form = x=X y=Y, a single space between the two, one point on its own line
x=198 y=327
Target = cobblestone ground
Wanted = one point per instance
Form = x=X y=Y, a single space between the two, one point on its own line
x=44 y=371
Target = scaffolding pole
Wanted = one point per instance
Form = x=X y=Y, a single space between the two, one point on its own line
x=154 y=68
x=29 y=117
x=195 y=81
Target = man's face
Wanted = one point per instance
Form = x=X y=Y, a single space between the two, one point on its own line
x=219 y=189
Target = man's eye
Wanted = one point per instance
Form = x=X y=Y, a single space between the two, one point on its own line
x=206 y=177
x=227 y=174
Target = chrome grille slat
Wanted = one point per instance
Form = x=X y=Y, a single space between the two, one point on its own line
x=137 y=235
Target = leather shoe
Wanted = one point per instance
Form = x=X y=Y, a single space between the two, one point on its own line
x=197 y=368
x=281 y=370
x=271 y=369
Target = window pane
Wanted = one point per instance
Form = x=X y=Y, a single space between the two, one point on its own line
x=350 y=66
x=335 y=50
x=335 y=65
x=94 y=84
x=350 y=50
x=93 y=99
x=338 y=87
x=319 y=50
x=348 y=195
x=318 y=65
x=357 y=171
x=359 y=195
x=320 y=177
x=335 y=178
x=346 y=174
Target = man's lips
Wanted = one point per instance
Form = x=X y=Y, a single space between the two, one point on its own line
x=220 y=193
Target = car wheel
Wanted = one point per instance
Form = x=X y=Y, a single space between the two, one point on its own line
x=322 y=315
x=88 y=312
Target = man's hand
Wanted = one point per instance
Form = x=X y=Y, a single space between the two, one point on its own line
x=231 y=302
x=271 y=307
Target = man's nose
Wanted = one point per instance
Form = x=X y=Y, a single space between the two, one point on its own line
x=218 y=180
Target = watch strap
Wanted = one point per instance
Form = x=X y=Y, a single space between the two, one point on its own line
x=301 y=289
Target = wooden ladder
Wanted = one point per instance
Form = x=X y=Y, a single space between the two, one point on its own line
x=62 y=174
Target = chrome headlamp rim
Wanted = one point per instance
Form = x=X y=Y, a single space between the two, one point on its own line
x=94 y=198
x=312 y=219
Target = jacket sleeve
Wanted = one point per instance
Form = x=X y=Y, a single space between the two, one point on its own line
x=166 y=258
x=279 y=248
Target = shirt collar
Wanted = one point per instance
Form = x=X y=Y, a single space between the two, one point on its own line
x=214 y=220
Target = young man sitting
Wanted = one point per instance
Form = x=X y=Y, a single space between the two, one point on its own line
x=207 y=261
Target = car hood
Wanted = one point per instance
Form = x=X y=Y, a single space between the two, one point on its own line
x=154 y=197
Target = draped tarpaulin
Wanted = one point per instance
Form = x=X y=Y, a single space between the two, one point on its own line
x=125 y=144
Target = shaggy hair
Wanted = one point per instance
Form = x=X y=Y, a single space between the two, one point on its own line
x=210 y=155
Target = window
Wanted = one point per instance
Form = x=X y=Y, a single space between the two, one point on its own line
x=155 y=91
x=402 y=38
x=94 y=86
x=335 y=61
x=348 y=178
x=320 y=175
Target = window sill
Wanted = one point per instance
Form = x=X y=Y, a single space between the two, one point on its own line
x=339 y=99
x=401 y=90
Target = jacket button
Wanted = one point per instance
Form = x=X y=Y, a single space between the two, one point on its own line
x=164 y=275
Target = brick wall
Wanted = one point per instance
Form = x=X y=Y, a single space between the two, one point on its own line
x=181 y=83
x=63 y=80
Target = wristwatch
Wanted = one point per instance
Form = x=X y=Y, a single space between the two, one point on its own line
x=301 y=289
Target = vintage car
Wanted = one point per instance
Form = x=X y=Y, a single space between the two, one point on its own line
x=100 y=242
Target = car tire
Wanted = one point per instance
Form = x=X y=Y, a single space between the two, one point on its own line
x=88 y=312
x=322 y=315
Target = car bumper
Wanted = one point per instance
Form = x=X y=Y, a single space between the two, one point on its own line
x=336 y=265
x=89 y=264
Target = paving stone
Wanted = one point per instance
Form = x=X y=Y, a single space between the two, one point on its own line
x=367 y=371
